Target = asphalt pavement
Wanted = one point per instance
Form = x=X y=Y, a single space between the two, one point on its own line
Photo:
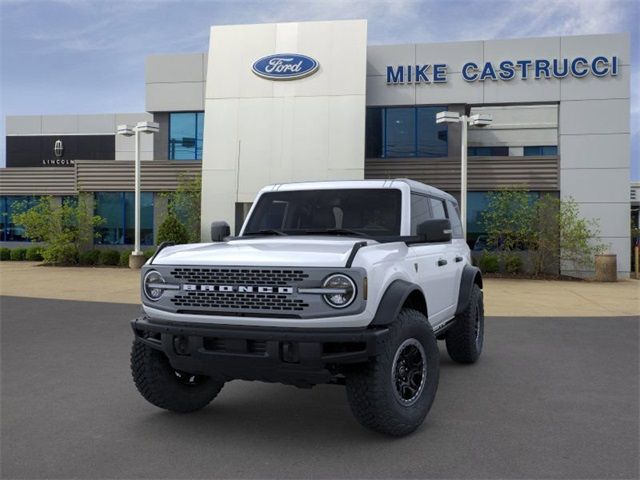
x=550 y=398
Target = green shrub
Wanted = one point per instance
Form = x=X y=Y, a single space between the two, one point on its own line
x=512 y=263
x=149 y=252
x=489 y=262
x=56 y=254
x=18 y=254
x=124 y=258
x=171 y=230
x=91 y=257
x=63 y=228
x=33 y=254
x=109 y=257
x=5 y=254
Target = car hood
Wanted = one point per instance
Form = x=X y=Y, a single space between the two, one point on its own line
x=311 y=251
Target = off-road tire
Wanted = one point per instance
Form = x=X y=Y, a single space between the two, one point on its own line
x=161 y=385
x=464 y=342
x=371 y=387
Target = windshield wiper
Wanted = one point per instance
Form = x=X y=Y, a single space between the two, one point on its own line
x=266 y=231
x=337 y=231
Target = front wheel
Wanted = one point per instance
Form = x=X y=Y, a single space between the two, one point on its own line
x=165 y=387
x=394 y=392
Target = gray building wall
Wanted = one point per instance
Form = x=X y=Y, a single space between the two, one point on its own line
x=175 y=83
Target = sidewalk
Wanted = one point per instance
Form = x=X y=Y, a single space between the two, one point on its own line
x=503 y=297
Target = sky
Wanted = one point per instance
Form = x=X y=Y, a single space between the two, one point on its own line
x=87 y=56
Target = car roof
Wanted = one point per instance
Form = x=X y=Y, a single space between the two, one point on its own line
x=414 y=186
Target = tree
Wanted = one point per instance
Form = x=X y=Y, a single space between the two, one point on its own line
x=508 y=219
x=171 y=230
x=64 y=228
x=184 y=203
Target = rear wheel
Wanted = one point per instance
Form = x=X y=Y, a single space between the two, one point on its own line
x=465 y=338
x=168 y=388
x=394 y=392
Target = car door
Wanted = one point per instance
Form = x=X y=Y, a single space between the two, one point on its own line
x=433 y=263
x=462 y=253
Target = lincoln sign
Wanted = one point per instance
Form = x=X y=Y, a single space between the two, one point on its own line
x=578 y=67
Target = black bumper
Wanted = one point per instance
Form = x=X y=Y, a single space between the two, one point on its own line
x=293 y=356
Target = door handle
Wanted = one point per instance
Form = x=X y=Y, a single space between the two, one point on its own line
x=459 y=259
x=442 y=262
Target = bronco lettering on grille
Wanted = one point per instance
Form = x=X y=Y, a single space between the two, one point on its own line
x=237 y=289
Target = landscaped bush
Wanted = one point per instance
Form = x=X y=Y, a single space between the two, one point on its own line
x=512 y=263
x=489 y=262
x=149 y=252
x=124 y=258
x=63 y=228
x=91 y=257
x=33 y=254
x=171 y=230
x=18 y=254
x=109 y=257
x=5 y=254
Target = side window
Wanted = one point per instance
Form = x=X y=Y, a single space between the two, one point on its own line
x=454 y=216
x=420 y=211
x=437 y=206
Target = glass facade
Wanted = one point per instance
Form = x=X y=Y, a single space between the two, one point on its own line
x=551 y=150
x=488 y=151
x=9 y=205
x=400 y=132
x=185 y=135
x=117 y=209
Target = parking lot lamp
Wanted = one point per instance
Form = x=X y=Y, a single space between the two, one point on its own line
x=136 y=259
x=477 y=120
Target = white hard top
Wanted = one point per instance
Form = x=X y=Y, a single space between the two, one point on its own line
x=414 y=186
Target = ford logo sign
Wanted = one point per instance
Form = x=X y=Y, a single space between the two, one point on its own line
x=285 y=66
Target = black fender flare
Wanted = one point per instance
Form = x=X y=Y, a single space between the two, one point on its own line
x=392 y=301
x=470 y=275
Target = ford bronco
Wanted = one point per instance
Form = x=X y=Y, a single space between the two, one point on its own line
x=346 y=282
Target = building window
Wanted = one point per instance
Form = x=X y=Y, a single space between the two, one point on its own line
x=185 y=135
x=488 y=151
x=10 y=205
x=546 y=150
x=400 y=132
x=117 y=209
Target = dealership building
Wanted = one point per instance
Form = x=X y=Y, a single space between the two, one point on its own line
x=284 y=102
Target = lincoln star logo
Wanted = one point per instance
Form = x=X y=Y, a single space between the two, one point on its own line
x=237 y=289
x=285 y=66
x=58 y=148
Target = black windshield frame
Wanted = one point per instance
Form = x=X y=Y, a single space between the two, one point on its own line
x=367 y=212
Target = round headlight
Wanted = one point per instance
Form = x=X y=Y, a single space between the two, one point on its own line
x=345 y=290
x=152 y=290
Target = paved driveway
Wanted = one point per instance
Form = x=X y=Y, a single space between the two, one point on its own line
x=551 y=398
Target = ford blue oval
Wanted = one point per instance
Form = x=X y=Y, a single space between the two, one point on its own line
x=285 y=66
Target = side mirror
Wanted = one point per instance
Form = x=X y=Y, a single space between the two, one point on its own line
x=435 y=230
x=219 y=231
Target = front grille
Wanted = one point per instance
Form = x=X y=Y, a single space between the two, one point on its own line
x=238 y=301
x=248 y=276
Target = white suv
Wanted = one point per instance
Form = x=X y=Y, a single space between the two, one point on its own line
x=347 y=282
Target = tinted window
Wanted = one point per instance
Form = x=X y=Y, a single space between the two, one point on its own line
x=420 y=211
x=437 y=208
x=400 y=131
x=488 y=151
x=117 y=209
x=185 y=135
x=541 y=151
x=454 y=217
x=404 y=132
x=373 y=212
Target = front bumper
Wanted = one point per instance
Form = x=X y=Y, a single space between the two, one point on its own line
x=300 y=357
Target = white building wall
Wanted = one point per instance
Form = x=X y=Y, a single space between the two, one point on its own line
x=260 y=131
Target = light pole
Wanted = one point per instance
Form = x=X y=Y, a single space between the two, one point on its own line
x=136 y=259
x=478 y=120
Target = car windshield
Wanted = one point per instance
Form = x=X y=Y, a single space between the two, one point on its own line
x=358 y=212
